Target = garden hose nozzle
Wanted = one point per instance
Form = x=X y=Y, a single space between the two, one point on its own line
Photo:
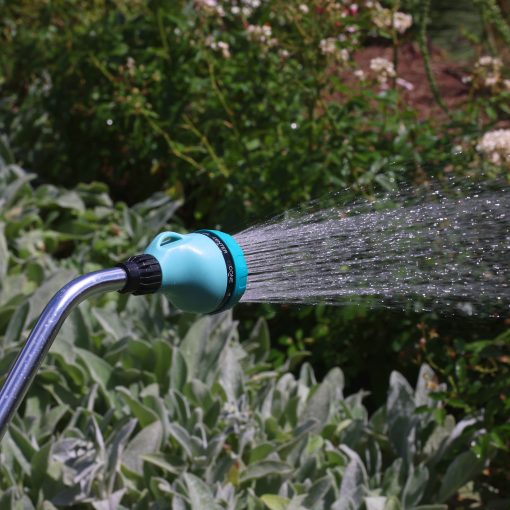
x=202 y=272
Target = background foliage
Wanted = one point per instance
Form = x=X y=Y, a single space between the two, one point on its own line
x=142 y=96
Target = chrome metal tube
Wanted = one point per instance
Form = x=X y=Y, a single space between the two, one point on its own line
x=24 y=368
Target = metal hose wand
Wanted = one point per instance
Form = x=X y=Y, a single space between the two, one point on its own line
x=201 y=272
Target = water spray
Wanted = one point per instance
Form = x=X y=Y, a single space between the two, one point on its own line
x=202 y=272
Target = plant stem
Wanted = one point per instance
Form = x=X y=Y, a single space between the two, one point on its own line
x=488 y=34
x=171 y=144
x=224 y=171
x=394 y=38
x=497 y=18
x=426 y=55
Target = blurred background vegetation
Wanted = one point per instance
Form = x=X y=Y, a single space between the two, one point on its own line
x=133 y=115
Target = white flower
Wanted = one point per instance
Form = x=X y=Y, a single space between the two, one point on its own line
x=496 y=145
x=381 y=17
x=491 y=80
x=220 y=46
x=224 y=48
x=487 y=73
x=383 y=69
x=210 y=7
x=360 y=74
x=384 y=19
x=328 y=46
x=283 y=54
x=262 y=34
x=211 y=4
x=402 y=21
x=304 y=8
x=405 y=84
x=487 y=61
x=344 y=54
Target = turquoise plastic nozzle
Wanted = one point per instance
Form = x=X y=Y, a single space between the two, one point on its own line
x=203 y=272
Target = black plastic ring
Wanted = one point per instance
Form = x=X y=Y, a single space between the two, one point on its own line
x=229 y=263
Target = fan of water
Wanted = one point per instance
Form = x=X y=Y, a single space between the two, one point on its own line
x=435 y=249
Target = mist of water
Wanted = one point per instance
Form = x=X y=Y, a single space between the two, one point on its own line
x=432 y=250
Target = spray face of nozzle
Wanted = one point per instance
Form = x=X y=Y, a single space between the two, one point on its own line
x=203 y=272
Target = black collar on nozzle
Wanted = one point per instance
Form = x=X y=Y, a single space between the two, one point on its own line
x=143 y=275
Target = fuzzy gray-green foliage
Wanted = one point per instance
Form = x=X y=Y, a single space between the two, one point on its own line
x=138 y=407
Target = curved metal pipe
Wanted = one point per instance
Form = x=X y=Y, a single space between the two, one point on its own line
x=24 y=368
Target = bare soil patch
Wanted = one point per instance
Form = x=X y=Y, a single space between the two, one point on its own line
x=447 y=73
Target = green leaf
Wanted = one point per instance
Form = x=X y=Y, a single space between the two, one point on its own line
x=261 y=341
x=422 y=392
x=70 y=200
x=39 y=467
x=375 y=502
x=111 y=503
x=16 y=325
x=260 y=452
x=163 y=359
x=231 y=375
x=275 y=502
x=4 y=255
x=143 y=414
x=41 y=297
x=15 y=453
x=265 y=468
x=430 y=507
x=99 y=369
x=199 y=494
x=161 y=462
x=400 y=407
x=464 y=468
x=6 y=155
x=147 y=441
x=111 y=322
x=353 y=483
x=415 y=486
x=194 y=344
x=317 y=492
x=392 y=504
x=182 y=437
x=319 y=404
x=116 y=444
x=51 y=419
x=252 y=145
x=179 y=371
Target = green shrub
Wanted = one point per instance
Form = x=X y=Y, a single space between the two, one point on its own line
x=140 y=95
x=203 y=422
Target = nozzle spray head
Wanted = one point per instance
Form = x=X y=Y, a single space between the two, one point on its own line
x=203 y=272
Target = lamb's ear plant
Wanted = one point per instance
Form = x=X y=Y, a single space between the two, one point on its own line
x=137 y=407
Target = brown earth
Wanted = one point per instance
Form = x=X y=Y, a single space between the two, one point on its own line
x=448 y=76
